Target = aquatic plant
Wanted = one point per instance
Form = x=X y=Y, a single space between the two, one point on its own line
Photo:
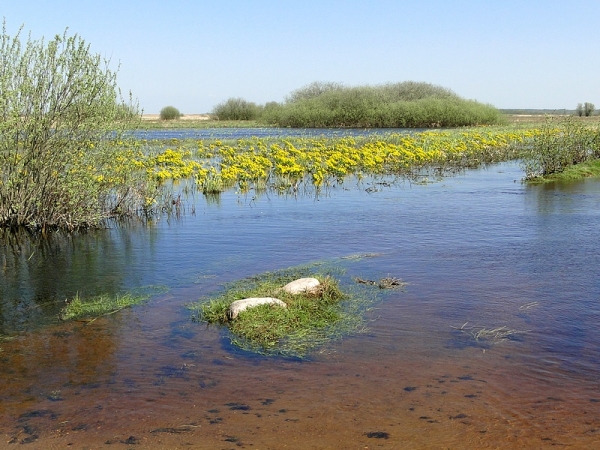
x=79 y=308
x=287 y=164
x=309 y=321
x=489 y=336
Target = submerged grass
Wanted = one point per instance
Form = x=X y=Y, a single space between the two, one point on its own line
x=309 y=321
x=101 y=305
x=489 y=336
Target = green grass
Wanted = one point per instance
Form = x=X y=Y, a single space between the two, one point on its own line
x=101 y=305
x=307 y=323
x=572 y=173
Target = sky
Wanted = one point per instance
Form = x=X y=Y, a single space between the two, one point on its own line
x=195 y=54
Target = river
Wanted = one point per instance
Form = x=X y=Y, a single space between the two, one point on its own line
x=492 y=344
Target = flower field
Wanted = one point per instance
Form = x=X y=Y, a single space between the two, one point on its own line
x=285 y=163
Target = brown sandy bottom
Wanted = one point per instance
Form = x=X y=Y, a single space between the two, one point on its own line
x=138 y=380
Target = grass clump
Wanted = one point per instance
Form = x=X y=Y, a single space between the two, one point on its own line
x=309 y=321
x=169 y=113
x=101 y=305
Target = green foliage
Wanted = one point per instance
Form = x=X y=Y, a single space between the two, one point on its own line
x=586 y=109
x=169 y=113
x=237 y=109
x=313 y=90
x=573 y=173
x=309 y=320
x=559 y=145
x=61 y=113
x=399 y=105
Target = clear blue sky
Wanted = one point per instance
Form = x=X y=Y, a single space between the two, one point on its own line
x=193 y=54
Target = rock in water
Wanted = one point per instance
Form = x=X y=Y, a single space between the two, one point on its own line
x=302 y=285
x=241 y=305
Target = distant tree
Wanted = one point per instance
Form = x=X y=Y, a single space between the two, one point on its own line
x=579 y=110
x=588 y=109
x=169 y=113
x=237 y=109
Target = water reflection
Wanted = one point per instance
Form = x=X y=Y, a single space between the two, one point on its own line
x=40 y=273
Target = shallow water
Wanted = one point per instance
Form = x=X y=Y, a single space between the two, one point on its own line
x=245 y=133
x=478 y=250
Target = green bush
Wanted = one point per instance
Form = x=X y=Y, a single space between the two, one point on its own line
x=61 y=131
x=169 y=113
x=560 y=145
x=394 y=105
x=237 y=109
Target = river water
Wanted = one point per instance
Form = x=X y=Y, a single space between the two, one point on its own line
x=480 y=251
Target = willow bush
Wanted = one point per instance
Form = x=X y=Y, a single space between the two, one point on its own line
x=236 y=109
x=61 y=127
x=559 y=145
x=395 y=105
x=169 y=113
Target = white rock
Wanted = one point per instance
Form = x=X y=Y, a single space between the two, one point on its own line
x=302 y=285
x=241 y=305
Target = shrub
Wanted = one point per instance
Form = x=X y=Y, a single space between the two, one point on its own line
x=169 y=113
x=408 y=104
x=62 y=114
x=588 y=109
x=313 y=90
x=560 y=145
x=237 y=109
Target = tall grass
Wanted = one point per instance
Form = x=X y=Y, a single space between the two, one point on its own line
x=399 y=105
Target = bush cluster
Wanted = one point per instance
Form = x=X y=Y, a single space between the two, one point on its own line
x=400 y=105
x=560 y=145
x=169 y=113
x=61 y=115
x=236 y=109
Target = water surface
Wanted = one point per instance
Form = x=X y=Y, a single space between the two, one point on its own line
x=479 y=251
